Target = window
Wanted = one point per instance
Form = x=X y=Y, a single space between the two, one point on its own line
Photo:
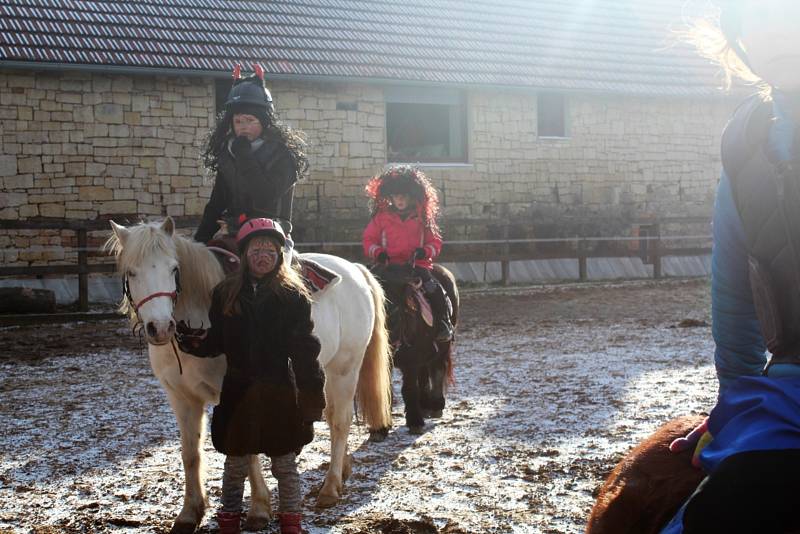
x=551 y=115
x=425 y=125
x=222 y=86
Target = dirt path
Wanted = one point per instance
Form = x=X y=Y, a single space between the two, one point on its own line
x=553 y=385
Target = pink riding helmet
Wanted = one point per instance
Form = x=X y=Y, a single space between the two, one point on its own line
x=260 y=226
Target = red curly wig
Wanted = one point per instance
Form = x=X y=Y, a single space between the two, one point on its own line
x=410 y=180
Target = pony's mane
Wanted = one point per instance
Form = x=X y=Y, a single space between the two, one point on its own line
x=199 y=269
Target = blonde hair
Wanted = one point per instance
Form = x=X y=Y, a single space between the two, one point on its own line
x=717 y=38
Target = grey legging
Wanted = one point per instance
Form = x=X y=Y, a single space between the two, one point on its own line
x=284 y=469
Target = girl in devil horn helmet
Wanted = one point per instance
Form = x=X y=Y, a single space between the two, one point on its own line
x=403 y=227
x=256 y=159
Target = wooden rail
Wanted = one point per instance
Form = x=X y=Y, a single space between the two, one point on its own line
x=650 y=248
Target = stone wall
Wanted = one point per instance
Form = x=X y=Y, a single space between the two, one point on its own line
x=91 y=145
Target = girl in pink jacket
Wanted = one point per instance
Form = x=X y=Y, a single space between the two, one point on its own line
x=403 y=229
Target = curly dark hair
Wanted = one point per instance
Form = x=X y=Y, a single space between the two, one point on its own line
x=273 y=130
x=409 y=180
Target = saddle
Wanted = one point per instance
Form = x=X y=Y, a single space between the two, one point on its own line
x=315 y=276
x=416 y=301
x=224 y=248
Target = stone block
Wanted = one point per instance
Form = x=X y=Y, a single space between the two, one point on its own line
x=53 y=168
x=109 y=113
x=120 y=171
x=28 y=211
x=119 y=130
x=21 y=181
x=25 y=113
x=52 y=210
x=29 y=165
x=167 y=166
x=360 y=149
x=8 y=165
x=123 y=194
x=195 y=206
x=95 y=169
x=181 y=181
x=117 y=206
x=122 y=84
x=92 y=193
x=9 y=199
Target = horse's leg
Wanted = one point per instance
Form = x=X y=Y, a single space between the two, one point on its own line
x=437 y=375
x=260 y=513
x=339 y=393
x=411 y=398
x=424 y=381
x=190 y=415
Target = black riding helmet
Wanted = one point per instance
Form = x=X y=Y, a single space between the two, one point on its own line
x=249 y=95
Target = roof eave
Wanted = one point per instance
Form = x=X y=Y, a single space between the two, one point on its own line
x=701 y=93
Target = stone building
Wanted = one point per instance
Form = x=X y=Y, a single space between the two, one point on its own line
x=559 y=116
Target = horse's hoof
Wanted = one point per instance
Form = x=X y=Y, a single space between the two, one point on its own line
x=416 y=430
x=256 y=523
x=435 y=414
x=183 y=527
x=376 y=436
x=326 y=501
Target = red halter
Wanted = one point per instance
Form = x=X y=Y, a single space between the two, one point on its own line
x=171 y=294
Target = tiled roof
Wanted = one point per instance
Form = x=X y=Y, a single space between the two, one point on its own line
x=618 y=46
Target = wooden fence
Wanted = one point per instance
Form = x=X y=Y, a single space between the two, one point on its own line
x=651 y=248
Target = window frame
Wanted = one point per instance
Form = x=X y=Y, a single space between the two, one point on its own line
x=565 y=134
x=455 y=99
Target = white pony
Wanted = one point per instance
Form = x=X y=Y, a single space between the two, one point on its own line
x=349 y=321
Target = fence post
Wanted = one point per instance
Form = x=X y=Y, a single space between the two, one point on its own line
x=657 y=254
x=83 y=271
x=582 y=260
x=505 y=263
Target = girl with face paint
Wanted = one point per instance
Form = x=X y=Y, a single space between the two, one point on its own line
x=272 y=391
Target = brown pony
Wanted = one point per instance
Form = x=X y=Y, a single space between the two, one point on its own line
x=648 y=486
x=426 y=365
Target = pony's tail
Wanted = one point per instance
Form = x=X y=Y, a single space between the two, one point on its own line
x=374 y=390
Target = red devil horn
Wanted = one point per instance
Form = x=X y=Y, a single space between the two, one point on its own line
x=237 y=72
x=259 y=70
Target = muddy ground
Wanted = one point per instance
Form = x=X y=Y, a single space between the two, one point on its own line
x=553 y=385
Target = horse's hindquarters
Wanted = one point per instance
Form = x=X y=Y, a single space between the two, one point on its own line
x=648 y=485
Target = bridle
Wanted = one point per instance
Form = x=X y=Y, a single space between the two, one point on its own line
x=126 y=290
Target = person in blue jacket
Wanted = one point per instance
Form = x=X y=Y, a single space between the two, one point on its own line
x=753 y=456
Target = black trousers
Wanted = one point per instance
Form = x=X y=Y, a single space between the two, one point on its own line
x=434 y=291
x=756 y=492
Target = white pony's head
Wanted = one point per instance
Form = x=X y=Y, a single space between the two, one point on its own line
x=147 y=260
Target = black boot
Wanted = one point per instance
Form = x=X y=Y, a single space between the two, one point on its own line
x=443 y=328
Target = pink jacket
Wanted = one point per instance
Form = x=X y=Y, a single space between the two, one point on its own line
x=388 y=232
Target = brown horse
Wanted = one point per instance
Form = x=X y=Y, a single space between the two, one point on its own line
x=646 y=488
x=426 y=365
